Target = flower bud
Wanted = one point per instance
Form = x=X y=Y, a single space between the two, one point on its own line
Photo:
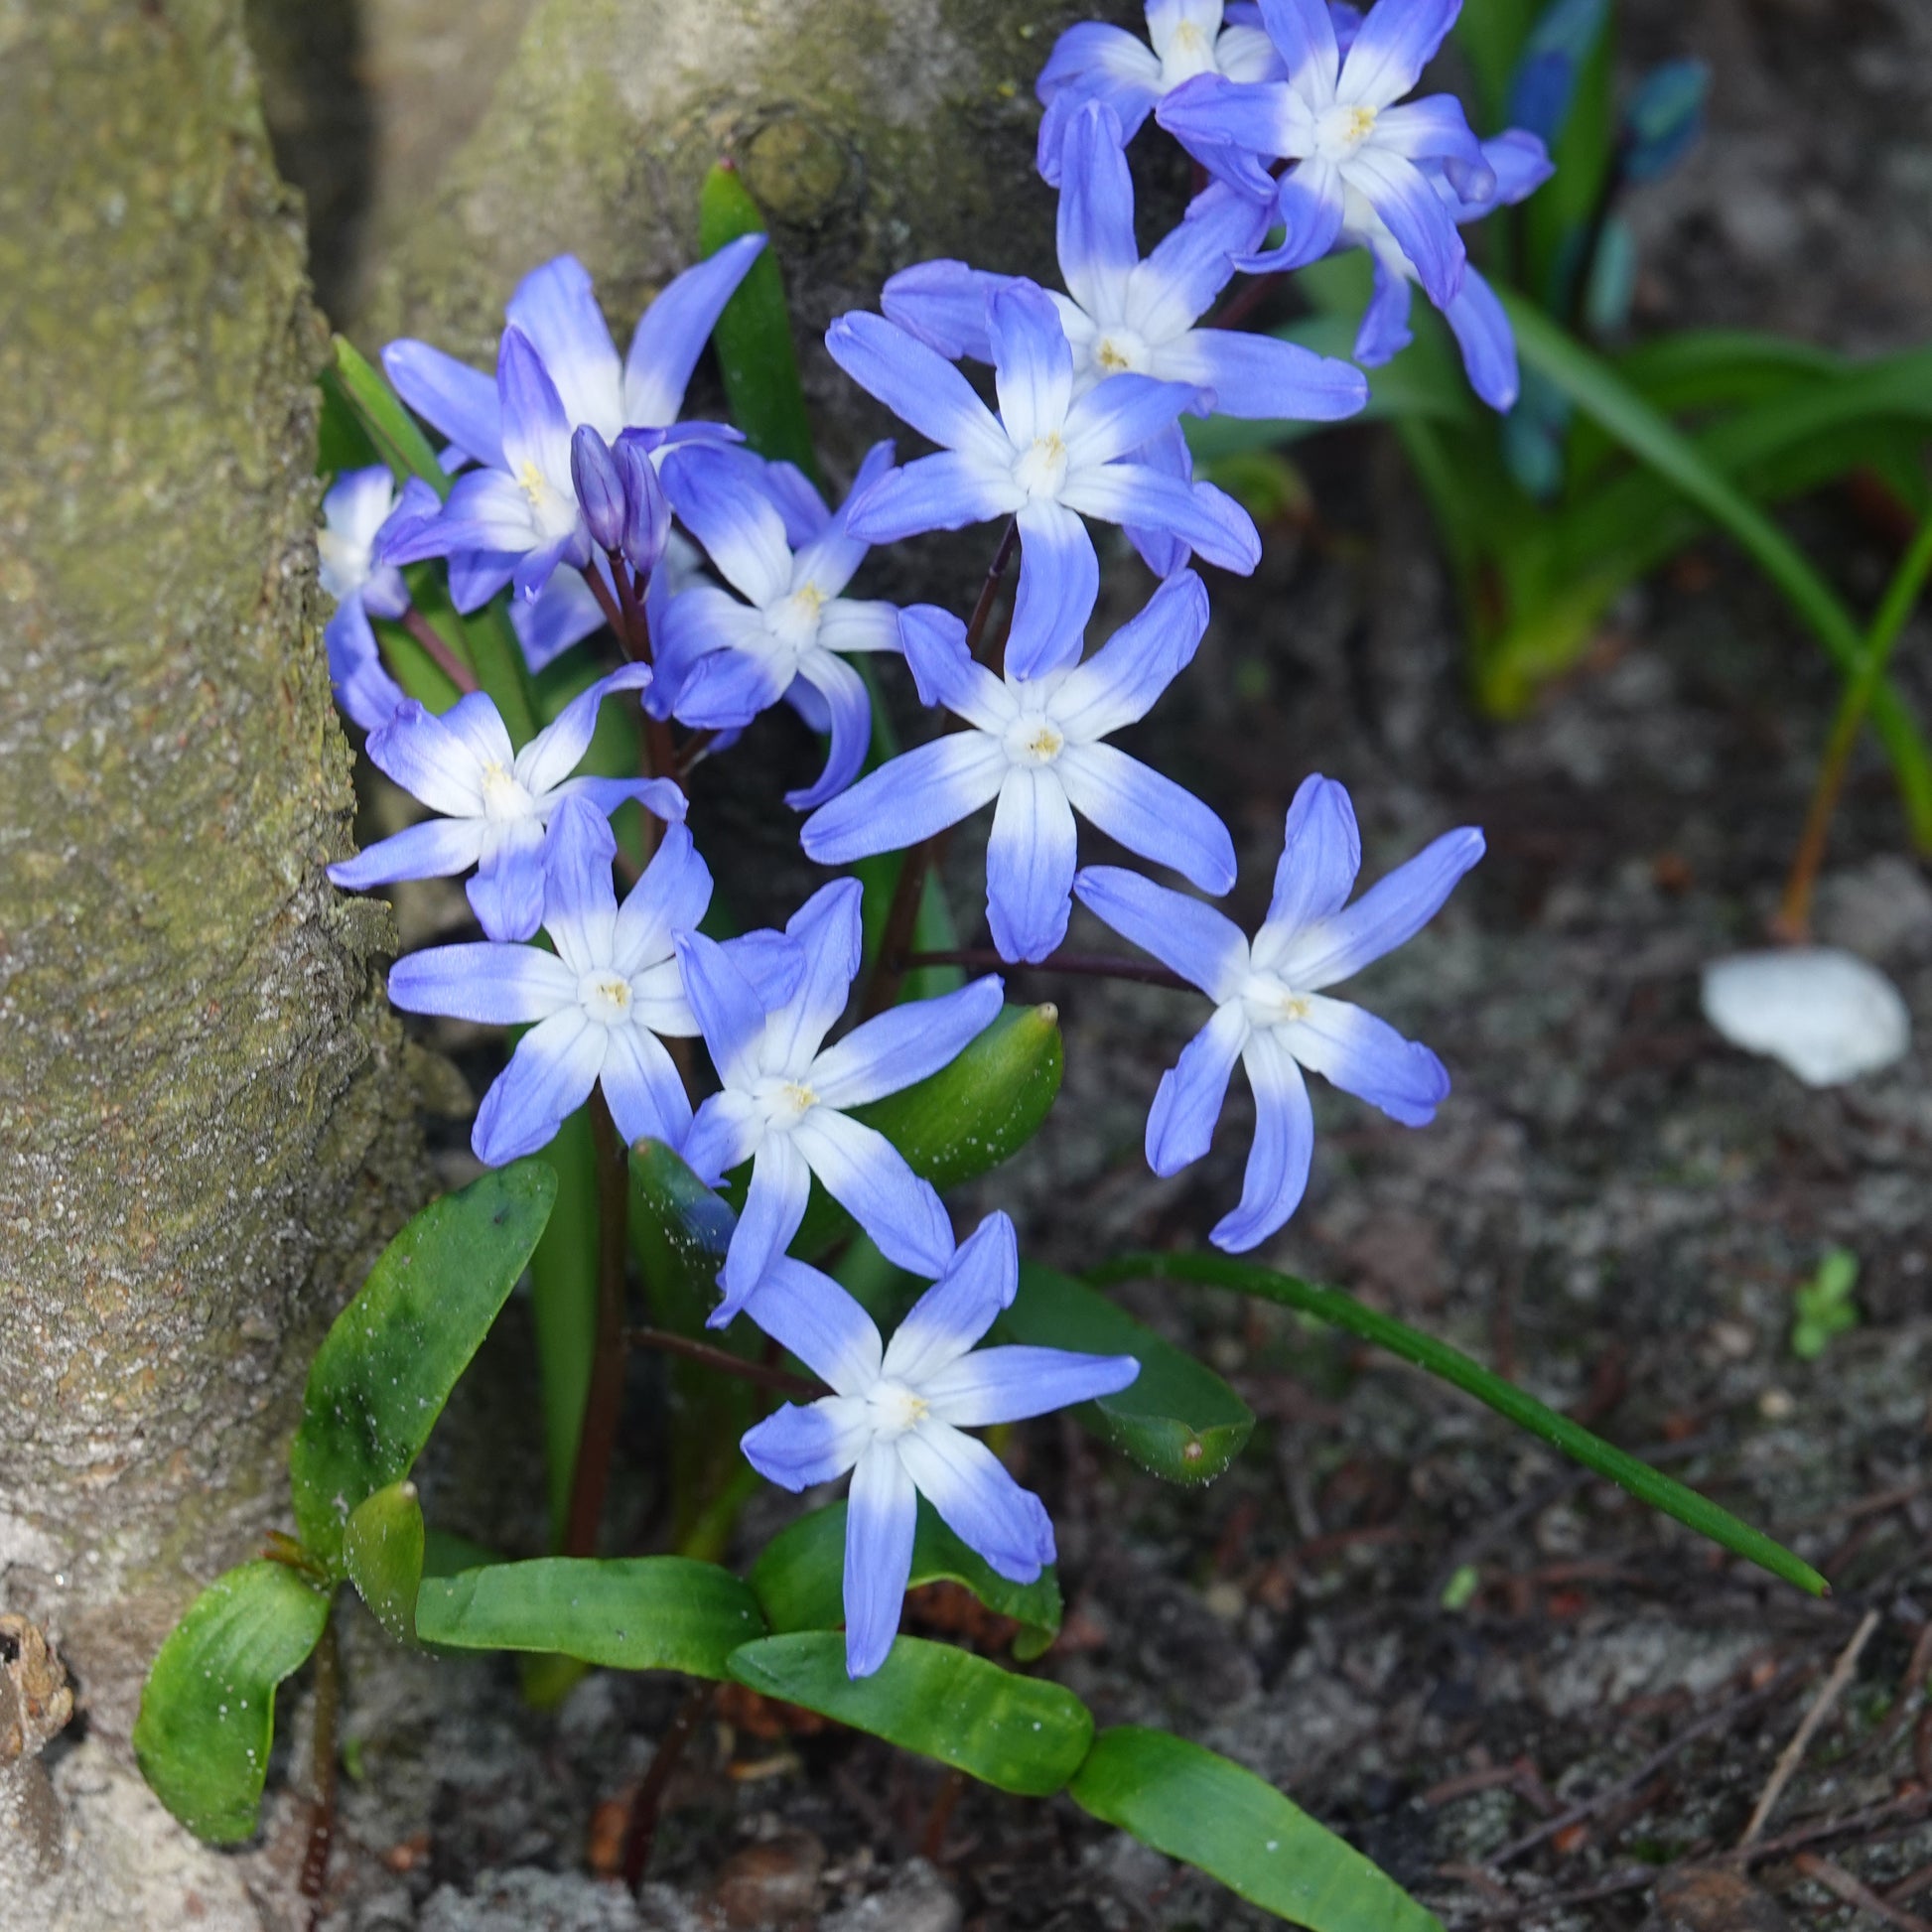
x=646 y=512
x=600 y=489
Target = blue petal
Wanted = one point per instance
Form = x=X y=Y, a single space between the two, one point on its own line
x=917 y=384
x=1310 y=203
x=1009 y=1384
x=1392 y=910
x=1060 y=579
x=643 y=1088
x=881 y=1518
x=564 y=613
x=1304 y=33
x=724 y=1134
x=1033 y=362
x=775 y=1205
x=429 y=761
x=1206 y=947
x=907 y=799
x=672 y=898
x=728 y=689
x=1385 y=332
x=1488 y=343
x=556 y=751
x=1187 y=1104
x=1396 y=41
x=945 y=671
x=579 y=903
x=1262 y=377
x=672 y=332
x=506 y=892
x=905 y=1044
x=364 y=688
x=1190 y=265
x=1168 y=454
x=979 y=1500
x=850 y=720
x=1208 y=519
x=979 y=1279
x=729 y=1012
x=475 y=576
x=550 y=1075
x=813 y=1317
x=1093 y=61
x=827 y=930
x=492 y=985
x=1367 y=1057
x=868 y=1176
x=1277 y=1175
x=833 y=553
x=486 y=512
x=1030 y=861
x=1147 y=813
x=1401 y=194
x=450 y=396
x=536 y=432
x=1226 y=124
x=554 y=307
x=1119 y=683
x=1123 y=412
x=1097 y=250
x=741 y=530
x=796 y=1448
x=943 y=305
x=947 y=491
x=1321 y=851
x=439 y=848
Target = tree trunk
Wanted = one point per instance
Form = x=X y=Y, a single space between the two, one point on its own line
x=205 y=1129
x=873 y=133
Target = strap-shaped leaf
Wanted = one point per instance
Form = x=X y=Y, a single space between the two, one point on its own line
x=1017 y=1732
x=387 y=1366
x=628 y=1612
x=753 y=335
x=1344 y=1312
x=207 y=1709
x=799 y=1578
x=1176 y=1418
x=1202 y=1808
x=382 y=1552
x=563 y=1305
x=964 y=1120
x=388 y=424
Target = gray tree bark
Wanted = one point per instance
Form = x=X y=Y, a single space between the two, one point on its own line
x=205 y=1128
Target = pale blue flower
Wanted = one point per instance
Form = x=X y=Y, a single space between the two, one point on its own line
x=784 y=1093
x=1272 y=1011
x=895 y=1418
x=361 y=506
x=1036 y=747
x=1048 y=459
x=722 y=662
x=1336 y=122
x=597 y=1007
x=495 y=802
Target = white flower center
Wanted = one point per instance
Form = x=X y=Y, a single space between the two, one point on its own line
x=1042 y=468
x=605 y=997
x=503 y=798
x=1341 y=130
x=782 y=1102
x=1119 y=351
x=894 y=1409
x=794 y=620
x=1033 y=738
x=1270 y=1000
x=1189 y=52
x=554 y=514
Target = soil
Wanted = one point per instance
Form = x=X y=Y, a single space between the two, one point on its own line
x=1528 y=1697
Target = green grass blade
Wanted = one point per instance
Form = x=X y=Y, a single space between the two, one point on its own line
x=1452 y=1366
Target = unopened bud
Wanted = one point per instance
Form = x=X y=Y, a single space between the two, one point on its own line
x=600 y=489
x=646 y=512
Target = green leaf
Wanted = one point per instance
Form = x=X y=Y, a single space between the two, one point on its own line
x=342 y=443
x=1596 y=388
x=1017 y=1734
x=388 y=1365
x=799 y=1577
x=390 y=428
x=1207 y=1811
x=963 y=1120
x=1176 y=1418
x=563 y=1307
x=627 y=1612
x=754 y=334
x=1452 y=1365
x=207 y=1709
x=383 y=1555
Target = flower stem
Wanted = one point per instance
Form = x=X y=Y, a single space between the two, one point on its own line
x=1088 y=965
x=1793 y=922
x=598 y=1436
x=902 y=915
x=725 y=1363
x=438 y=647
x=645 y=1806
x=321 y=1816
x=625 y=614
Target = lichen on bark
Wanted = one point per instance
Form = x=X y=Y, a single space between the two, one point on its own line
x=204 y=1126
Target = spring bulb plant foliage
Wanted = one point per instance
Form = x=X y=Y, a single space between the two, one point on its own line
x=554 y=596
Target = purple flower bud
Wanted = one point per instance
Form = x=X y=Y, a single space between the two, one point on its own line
x=600 y=489
x=646 y=514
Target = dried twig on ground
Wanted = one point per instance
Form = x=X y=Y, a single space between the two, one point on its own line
x=1841 y=1884
x=1793 y=1754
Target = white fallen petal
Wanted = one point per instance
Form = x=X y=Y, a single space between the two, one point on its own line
x=1827 y=1014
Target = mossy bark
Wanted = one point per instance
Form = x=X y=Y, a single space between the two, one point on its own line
x=874 y=133
x=204 y=1126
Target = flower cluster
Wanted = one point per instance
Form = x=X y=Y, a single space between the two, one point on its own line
x=568 y=481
